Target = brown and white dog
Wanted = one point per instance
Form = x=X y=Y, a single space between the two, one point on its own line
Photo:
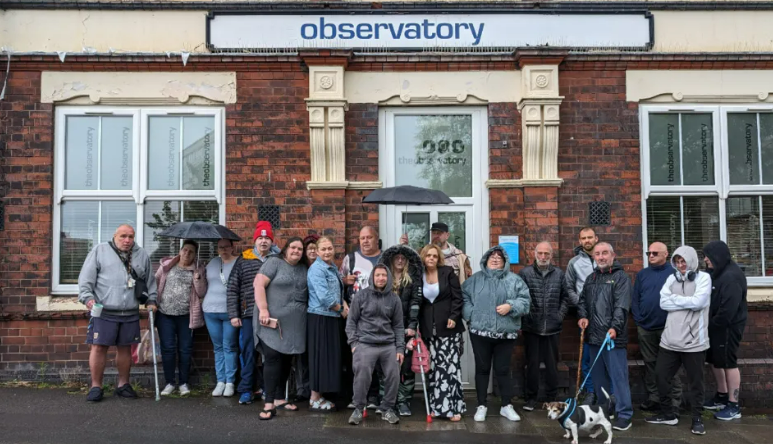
x=584 y=417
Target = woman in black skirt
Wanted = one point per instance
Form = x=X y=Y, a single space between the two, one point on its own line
x=326 y=307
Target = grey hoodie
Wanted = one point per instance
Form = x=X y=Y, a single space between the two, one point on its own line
x=687 y=303
x=376 y=317
x=579 y=268
x=104 y=279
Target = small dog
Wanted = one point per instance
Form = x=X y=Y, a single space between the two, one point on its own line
x=585 y=418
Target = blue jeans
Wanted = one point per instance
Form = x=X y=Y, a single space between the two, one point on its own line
x=225 y=339
x=587 y=359
x=612 y=368
x=176 y=339
x=246 y=356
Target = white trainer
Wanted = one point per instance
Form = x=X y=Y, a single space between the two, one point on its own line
x=480 y=414
x=219 y=389
x=509 y=413
x=168 y=390
x=184 y=390
x=229 y=390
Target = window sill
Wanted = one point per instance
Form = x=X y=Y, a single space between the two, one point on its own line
x=58 y=303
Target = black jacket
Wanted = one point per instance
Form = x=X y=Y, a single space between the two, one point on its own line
x=411 y=294
x=433 y=317
x=240 y=295
x=549 y=300
x=376 y=317
x=728 y=294
x=606 y=301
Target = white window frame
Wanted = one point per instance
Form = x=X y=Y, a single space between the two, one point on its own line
x=139 y=193
x=721 y=188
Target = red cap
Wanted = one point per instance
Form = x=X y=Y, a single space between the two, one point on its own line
x=263 y=228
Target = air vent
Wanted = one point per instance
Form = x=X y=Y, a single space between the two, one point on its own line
x=599 y=212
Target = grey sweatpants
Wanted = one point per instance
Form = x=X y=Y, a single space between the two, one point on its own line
x=364 y=361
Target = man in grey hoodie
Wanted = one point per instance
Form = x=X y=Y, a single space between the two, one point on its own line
x=107 y=280
x=376 y=335
x=686 y=297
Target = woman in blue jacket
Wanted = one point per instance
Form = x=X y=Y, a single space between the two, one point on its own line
x=323 y=341
x=495 y=299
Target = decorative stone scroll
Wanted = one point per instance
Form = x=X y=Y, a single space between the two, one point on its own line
x=327 y=107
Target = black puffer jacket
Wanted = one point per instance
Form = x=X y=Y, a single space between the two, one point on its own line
x=728 y=294
x=240 y=295
x=549 y=300
x=411 y=294
x=605 y=302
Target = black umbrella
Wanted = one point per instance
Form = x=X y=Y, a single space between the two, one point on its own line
x=199 y=231
x=407 y=195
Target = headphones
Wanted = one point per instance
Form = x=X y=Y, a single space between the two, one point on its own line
x=691 y=275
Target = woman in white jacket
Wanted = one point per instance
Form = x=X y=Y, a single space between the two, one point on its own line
x=686 y=297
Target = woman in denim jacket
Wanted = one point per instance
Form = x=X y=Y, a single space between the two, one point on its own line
x=326 y=307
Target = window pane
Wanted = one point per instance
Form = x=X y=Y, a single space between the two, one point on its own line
x=766 y=136
x=160 y=215
x=701 y=222
x=743 y=233
x=664 y=221
x=664 y=149
x=81 y=153
x=416 y=225
x=116 y=153
x=697 y=149
x=767 y=223
x=164 y=153
x=743 y=149
x=82 y=228
x=456 y=227
x=199 y=153
x=435 y=151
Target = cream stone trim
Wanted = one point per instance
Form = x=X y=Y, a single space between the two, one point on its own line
x=699 y=86
x=540 y=119
x=135 y=88
x=759 y=295
x=327 y=108
x=523 y=183
x=366 y=185
x=713 y=31
x=58 y=303
x=327 y=185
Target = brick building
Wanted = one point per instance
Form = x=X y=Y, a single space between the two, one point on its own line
x=649 y=120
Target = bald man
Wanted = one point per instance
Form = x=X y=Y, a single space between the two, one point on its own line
x=651 y=320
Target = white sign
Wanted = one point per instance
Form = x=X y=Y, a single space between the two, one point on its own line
x=405 y=31
x=511 y=246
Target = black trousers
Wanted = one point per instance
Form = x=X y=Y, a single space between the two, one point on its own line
x=541 y=349
x=501 y=350
x=667 y=366
x=276 y=371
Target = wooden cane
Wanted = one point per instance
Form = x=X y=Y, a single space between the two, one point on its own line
x=579 y=363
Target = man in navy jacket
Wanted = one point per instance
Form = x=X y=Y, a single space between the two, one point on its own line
x=650 y=321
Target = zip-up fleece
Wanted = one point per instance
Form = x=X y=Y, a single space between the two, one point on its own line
x=376 y=317
x=687 y=303
x=578 y=270
x=104 y=279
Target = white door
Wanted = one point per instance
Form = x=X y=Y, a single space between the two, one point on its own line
x=443 y=149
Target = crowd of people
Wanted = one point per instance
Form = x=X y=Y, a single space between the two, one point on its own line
x=350 y=332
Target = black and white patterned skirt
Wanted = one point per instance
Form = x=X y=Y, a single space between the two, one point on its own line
x=446 y=398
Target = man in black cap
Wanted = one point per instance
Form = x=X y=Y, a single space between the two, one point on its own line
x=454 y=257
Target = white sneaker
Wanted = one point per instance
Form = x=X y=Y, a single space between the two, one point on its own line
x=219 y=389
x=480 y=414
x=229 y=390
x=509 y=413
x=168 y=390
x=184 y=390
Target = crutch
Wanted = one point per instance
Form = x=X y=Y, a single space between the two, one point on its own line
x=153 y=347
x=423 y=383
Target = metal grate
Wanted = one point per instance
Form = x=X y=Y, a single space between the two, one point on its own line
x=270 y=213
x=599 y=213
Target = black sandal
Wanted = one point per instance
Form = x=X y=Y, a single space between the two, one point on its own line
x=271 y=414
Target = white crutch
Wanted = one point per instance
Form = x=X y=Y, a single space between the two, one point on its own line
x=153 y=347
x=423 y=383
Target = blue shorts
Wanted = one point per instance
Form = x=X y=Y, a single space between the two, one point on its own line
x=114 y=330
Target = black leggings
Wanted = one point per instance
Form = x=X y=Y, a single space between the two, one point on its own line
x=276 y=371
x=502 y=351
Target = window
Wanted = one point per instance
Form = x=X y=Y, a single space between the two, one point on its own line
x=711 y=177
x=128 y=165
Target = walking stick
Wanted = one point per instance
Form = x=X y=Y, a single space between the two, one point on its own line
x=579 y=363
x=153 y=347
x=424 y=385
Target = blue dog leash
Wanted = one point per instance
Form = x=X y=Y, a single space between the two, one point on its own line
x=608 y=344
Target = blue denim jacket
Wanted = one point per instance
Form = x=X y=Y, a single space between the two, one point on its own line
x=325 y=288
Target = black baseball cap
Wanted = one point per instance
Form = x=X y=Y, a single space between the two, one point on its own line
x=439 y=226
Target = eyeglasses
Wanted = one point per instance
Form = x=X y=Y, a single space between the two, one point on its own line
x=652 y=253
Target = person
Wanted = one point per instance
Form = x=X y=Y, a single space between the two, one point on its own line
x=107 y=280
x=241 y=301
x=727 y=321
x=441 y=328
x=281 y=300
x=225 y=337
x=181 y=284
x=323 y=339
x=452 y=256
x=301 y=362
x=407 y=270
x=542 y=326
x=685 y=296
x=310 y=248
x=376 y=335
x=603 y=309
x=495 y=300
x=650 y=321
x=577 y=271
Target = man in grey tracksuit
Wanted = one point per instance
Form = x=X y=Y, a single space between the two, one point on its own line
x=376 y=335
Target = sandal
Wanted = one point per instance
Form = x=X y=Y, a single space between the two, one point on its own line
x=271 y=414
x=456 y=418
x=321 y=405
x=286 y=406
